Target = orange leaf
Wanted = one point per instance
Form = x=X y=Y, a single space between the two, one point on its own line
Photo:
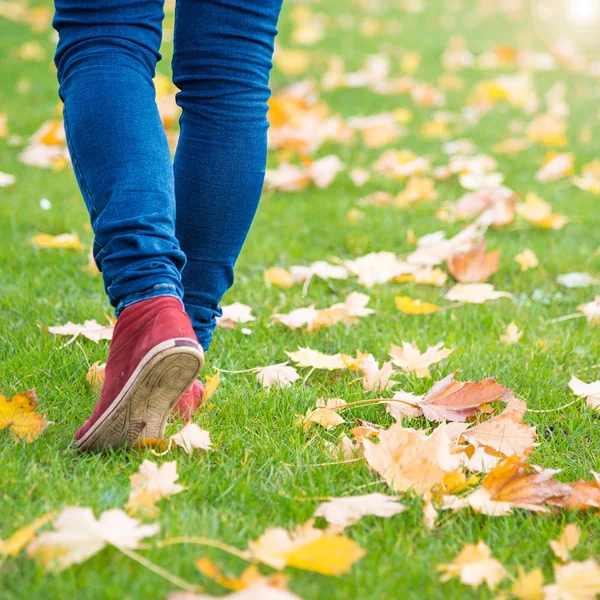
x=18 y=414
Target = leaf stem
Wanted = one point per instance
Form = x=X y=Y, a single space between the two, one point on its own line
x=551 y=410
x=202 y=541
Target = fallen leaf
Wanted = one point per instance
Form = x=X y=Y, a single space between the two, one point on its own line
x=474 y=266
x=453 y=400
x=575 y=581
x=210 y=387
x=567 y=541
x=233 y=314
x=474 y=565
x=192 y=437
x=257 y=591
x=378 y=267
x=307 y=357
x=577 y=280
x=591 y=310
x=506 y=433
x=280 y=375
x=18 y=414
x=512 y=335
x=90 y=329
x=407 y=408
x=149 y=485
x=475 y=293
x=306 y=548
x=409 y=357
x=12 y=545
x=555 y=166
x=409 y=306
x=374 y=378
x=65 y=240
x=589 y=391
x=351 y=509
x=78 y=535
x=324 y=414
x=280 y=277
x=583 y=495
x=249 y=578
x=95 y=374
x=527 y=259
x=528 y=586
x=539 y=213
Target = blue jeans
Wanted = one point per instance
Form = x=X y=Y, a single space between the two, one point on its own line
x=166 y=227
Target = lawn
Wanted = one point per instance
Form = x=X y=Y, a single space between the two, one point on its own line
x=265 y=470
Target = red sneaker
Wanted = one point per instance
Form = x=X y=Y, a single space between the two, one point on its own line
x=153 y=358
x=190 y=402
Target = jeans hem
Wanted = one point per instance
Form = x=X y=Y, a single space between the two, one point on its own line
x=161 y=289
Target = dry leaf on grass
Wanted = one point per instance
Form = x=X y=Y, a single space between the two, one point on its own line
x=378 y=267
x=95 y=374
x=453 y=400
x=475 y=293
x=18 y=414
x=410 y=359
x=307 y=357
x=474 y=565
x=322 y=551
x=233 y=314
x=582 y=495
x=374 y=378
x=90 y=329
x=512 y=484
x=280 y=375
x=506 y=433
x=408 y=408
x=575 y=581
x=324 y=414
x=577 y=280
x=280 y=277
x=539 y=213
x=65 y=240
x=591 y=310
x=210 y=386
x=528 y=586
x=78 y=535
x=12 y=545
x=349 y=510
x=589 y=391
x=512 y=335
x=475 y=265
x=149 y=485
x=527 y=259
x=250 y=577
x=258 y=591
x=192 y=437
x=567 y=541
x=409 y=306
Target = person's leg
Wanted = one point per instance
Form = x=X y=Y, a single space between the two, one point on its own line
x=105 y=58
x=221 y=64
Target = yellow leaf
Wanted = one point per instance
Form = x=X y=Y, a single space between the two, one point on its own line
x=409 y=306
x=328 y=555
x=18 y=540
x=18 y=414
x=65 y=240
x=212 y=383
x=279 y=276
x=528 y=586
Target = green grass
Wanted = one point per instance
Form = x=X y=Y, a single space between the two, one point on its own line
x=261 y=474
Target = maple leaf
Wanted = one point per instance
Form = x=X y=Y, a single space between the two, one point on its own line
x=589 y=391
x=527 y=259
x=307 y=357
x=249 y=578
x=555 y=166
x=512 y=335
x=375 y=378
x=539 y=213
x=567 y=541
x=474 y=266
x=410 y=359
x=150 y=484
x=528 y=586
x=591 y=310
x=453 y=400
x=409 y=407
x=192 y=437
x=378 y=267
x=575 y=581
x=351 y=509
x=506 y=433
x=306 y=548
x=23 y=536
x=65 y=240
x=280 y=375
x=78 y=535
x=321 y=269
x=90 y=329
x=475 y=293
x=297 y=318
x=408 y=459
x=18 y=414
x=210 y=387
x=95 y=374
x=582 y=495
x=474 y=565
x=235 y=313
x=409 y=306
x=324 y=414
x=280 y=277
x=512 y=484
x=590 y=180
x=257 y=591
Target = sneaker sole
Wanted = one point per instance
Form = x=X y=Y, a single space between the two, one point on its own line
x=145 y=402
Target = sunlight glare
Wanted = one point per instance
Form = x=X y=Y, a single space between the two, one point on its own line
x=583 y=10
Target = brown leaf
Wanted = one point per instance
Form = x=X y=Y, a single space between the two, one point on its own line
x=582 y=496
x=456 y=400
x=474 y=266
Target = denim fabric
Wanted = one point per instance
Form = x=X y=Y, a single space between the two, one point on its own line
x=163 y=227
